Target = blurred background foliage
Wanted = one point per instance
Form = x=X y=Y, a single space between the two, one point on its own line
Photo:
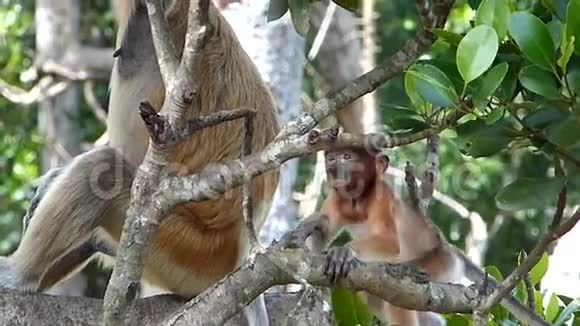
x=474 y=182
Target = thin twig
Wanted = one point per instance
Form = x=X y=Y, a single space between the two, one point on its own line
x=46 y=88
x=411 y=183
x=431 y=169
x=164 y=49
x=247 y=205
x=93 y=102
x=322 y=31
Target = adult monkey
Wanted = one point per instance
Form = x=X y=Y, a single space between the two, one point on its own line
x=197 y=243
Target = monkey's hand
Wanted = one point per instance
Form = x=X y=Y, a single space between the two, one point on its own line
x=339 y=262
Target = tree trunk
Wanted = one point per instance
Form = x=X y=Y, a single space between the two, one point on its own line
x=278 y=52
x=58 y=29
x=344 y=55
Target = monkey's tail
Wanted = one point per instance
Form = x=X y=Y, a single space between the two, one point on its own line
x=90 y=191
x=522 y=313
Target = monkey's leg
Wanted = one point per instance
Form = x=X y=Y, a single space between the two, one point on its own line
x=76 y=259
x=93 y=190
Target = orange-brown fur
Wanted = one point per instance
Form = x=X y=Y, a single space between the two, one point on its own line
x=201 y=237
x=383 y=228
x=197 y=243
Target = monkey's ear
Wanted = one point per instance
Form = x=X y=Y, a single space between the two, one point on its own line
x=382 y=163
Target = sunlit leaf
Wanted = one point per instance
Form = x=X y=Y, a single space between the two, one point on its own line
x=573 y=22
x=539 y=81
x=449 y=37
x=539 y=270
x=566 y=51
x=349 y=309
x=553 y=308
x=494 y=116
x=433 y=85
x=494 y=272
x=539 y=303
x=533 y=38
x=476 y=52
x=527 y=193
x=457 y=320
x=277 y=9
x=494 y=13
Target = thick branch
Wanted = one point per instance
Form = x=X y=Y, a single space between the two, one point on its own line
x=215 y=180
x=399 y=284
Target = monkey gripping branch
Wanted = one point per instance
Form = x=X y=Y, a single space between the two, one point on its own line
x=286 y=262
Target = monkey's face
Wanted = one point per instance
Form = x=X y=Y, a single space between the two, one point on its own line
x=350 y=173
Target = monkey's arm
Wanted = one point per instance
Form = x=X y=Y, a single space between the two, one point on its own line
x=376 y=247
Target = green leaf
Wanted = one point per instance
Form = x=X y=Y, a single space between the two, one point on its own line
x=568 y=312
x=555 y=28
x=573 y=78
x=300 y=12
x=351 y=5
x=507 y=89
x=478 y=139
x=449 y=37
x=552 y=309
x=494 y=272
x=539 y=303
x=433 y=85
x=476 y=52
x=539 y=270
x=533 y=38
x=457 y=320
x=542 y=117
x=277 y=9
x=566 y=51
x=494 y=13
x=349 y=309
x=489 y=83
x=527 y=193
x=520 y=292
x=539 y=81
x=494 y=115
x=565 y=133
x=412 y=92
x=573 y=22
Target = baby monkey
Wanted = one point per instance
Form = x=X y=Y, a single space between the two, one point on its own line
x=382 y=228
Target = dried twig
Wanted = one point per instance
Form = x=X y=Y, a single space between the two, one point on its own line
x=431 y=169
x=411 y=183
x=93 y=102
x=247 y=206
x=47 y=87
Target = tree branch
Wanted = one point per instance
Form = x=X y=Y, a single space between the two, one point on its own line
x=144 y=214
x=369 y=81
x=47 y=87
x=402 y=285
